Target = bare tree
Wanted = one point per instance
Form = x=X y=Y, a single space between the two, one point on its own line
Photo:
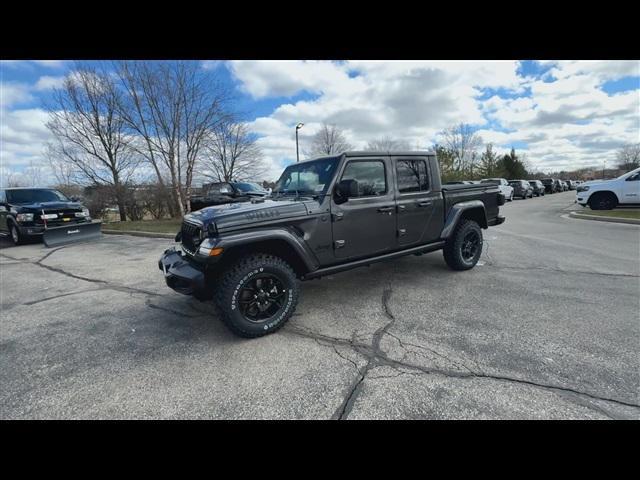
x=13 y=179
x=629 y=157
x=171 y=107
x=330 y=140
x=386 y=144
x=63 y=171
x=232 y=153
x=464 y=143
x=89 y=133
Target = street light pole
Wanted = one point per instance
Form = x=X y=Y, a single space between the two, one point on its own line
x=298 y=127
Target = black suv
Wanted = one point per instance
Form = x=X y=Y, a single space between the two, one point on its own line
x=550 y=185
x=325 y=215
x=27 y=212
x=221 y=193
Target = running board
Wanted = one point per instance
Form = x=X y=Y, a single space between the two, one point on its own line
x=368 y=261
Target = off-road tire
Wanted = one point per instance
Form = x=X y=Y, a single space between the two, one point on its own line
x=237 y=275
x=452 y=250
x=603 y=201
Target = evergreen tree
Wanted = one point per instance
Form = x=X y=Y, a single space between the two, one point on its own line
x=489 y=163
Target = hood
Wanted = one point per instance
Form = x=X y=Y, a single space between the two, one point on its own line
x=38 y=206
x=237 y=214
x=592 y=182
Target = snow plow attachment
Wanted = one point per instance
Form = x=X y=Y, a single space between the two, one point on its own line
x=79 y=232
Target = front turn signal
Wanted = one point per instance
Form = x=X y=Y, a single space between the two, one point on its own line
x=214 y=252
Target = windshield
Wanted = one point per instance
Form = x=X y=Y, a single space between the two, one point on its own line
x=35 y=196
x=249 y=187
x=310 y=178
x=493 y=182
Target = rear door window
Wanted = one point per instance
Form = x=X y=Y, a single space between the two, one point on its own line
x=412 y=176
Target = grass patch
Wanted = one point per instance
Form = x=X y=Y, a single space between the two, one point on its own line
x=621 y=213
x=155 y=226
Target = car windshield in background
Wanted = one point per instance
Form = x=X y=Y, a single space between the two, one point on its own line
x=308 y=178
x=547 y=181
x=249 y=187
x=36 y=195
x=492 y=182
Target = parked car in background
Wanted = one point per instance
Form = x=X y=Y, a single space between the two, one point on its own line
x=558 y=184
x=221 y=193
x=571 y=184
x=538 y=187
x=503 y=185
x=521 y=188
x=458 y=182
x=549 y=185
x=607 y=194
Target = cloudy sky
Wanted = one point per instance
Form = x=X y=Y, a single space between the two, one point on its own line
x=564 y=115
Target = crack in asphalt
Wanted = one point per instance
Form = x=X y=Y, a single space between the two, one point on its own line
x=377 y=358
x=109 y=285
x=53 y=297
x=372 y=352
x=560 y=270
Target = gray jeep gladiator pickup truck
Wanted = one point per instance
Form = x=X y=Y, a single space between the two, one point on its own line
x=325 y=215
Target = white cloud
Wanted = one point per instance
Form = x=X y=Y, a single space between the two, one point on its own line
x=12 y=93
x=567 y=119
x=47 y=82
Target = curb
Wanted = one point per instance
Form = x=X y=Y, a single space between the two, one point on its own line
x=139 y=234
x=597 y=218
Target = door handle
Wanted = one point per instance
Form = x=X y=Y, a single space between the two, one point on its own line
x=388 y=210
x=425 y=203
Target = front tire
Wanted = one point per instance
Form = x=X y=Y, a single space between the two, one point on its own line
x=603 y=201
x=16 y=236
x=257 y=295
x=463 y=249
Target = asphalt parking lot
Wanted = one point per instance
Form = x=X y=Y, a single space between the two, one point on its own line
x=546 y=326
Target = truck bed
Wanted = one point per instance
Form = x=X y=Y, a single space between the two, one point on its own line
x=485 y=192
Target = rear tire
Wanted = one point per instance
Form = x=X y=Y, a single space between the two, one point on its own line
x=603 y=201
x=463 y=249
x=257 y=274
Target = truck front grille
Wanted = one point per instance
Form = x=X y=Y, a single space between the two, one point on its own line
x=191 y=236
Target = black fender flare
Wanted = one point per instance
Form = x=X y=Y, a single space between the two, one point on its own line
x=294 y=241
x=456 y=212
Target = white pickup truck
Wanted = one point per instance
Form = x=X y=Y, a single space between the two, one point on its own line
x=607 y=194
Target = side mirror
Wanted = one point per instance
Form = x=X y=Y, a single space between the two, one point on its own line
x=346 y=189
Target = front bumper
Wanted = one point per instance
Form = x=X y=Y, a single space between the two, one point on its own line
x=32 y=228
x=181 y=275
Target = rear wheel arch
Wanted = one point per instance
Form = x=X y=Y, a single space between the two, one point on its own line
x=477 y=214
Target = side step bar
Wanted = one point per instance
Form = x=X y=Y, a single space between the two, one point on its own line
x=368 y=261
